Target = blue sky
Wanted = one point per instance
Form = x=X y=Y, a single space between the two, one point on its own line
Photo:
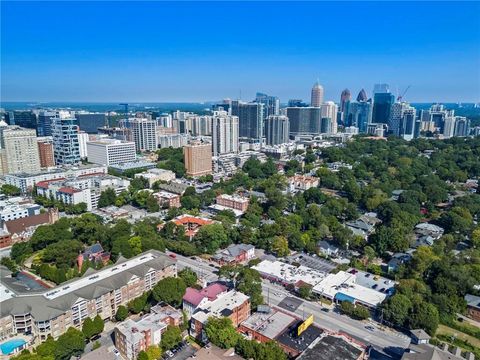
x=200 y=51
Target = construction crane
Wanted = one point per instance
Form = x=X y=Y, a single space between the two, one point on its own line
x=400 y=97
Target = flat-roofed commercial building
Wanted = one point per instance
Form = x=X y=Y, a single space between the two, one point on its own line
x=111 y=152
x=98 y=292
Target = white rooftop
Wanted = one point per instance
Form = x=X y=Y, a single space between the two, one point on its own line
x=345 y=283
x=290 y=273
x=216 y=308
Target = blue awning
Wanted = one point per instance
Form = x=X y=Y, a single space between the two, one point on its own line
x=342 y=297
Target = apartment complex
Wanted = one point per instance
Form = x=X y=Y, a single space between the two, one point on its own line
x=101 y=292
x=131 y=337
x=233 y=202
x=19 y=150
x=233 y=305
x=224 y=133
x=26 y=181
x=154 y=175
x=111 y=151
x=45 y=153
x=66 y=145
x=144 y=134
x=198 y=159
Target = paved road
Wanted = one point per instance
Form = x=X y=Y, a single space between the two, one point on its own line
x=274 y=294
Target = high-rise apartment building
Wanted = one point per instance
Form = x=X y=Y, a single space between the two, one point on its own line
x=111 y=152
x=317 y=95
x=250 y=119
x=144 y=134
x=45 y=153
x=382 y=107
x=25 y=119
x=304 y=120
x=66 y=147
x=277 y=129
x=83 y=138
x=448 y=127
x=198 y=159
x=224 y=133
x=329 y=114
x=19 y=150
x=408 y=123
x=44 y=123
x=198 y=125
x=271 y=104
x=462 y=126
x=399 y=123
x=90 y=122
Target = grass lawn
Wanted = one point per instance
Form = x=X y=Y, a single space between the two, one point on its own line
x=445 y=330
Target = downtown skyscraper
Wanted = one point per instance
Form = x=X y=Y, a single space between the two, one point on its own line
x=317 y=95
x=277 y=129
x=250 y=119
x=66 y=146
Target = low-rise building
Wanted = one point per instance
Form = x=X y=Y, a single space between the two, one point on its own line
x=302 y=182
x=473 y=306
x=23 y=228
x=133 y=166
x=167 y=199
x=233 y=305
x=287 y=274
x=334 y=347
x=195 y=298
x=192 y=224
x=327 y=248
x=86 y=189
x=235 y=254
x=132 y=337
x=99 y=292
x=233 y=202
x=154 y=175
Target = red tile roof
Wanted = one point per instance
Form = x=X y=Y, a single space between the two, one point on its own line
x=44 y=184
x=182 y=220
x=68 y=190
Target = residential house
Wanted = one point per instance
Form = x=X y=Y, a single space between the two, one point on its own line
x=194 y=298
x=473 y=306
x=235 y=254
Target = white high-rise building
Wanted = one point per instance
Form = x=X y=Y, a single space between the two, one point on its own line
x=144 y=134
x=277 y=128
x=317 y=95
x=330 y=111
x=19 y=150
x=224 y=133
x=82 y=144
x=111 y=152
x=449 y=127
x=66 y=147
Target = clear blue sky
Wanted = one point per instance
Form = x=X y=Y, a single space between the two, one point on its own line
x=196 y=51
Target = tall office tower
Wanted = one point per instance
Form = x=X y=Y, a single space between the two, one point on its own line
x=66 y=148
x=304 y=120
x=277 y=128
x=345 y=98
x=198 y=159
x=82 y=144
x=381 y=89
x=111 y=152
x=359 y=114
x=382 y=107
x=462 y=126
x=362 y=96
x=449 y=127
x=330 y=111
x=438 y=115
x=19 y=150
x=271 y=104
x=144 y=134
x=224 y=133
x=25 y=118
x=317 y=95
x=408 y=123
x=296 y=103
x=396 y=116
x=45 y=152
x=44 y=124
x=90 y=122
x=250 y=119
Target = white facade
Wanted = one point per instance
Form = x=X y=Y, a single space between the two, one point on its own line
x=111 y=152
x=224 y=133
x=20 y=150
x=277 y=128
x=172 y=140
x=82 y=143
x=66 y=145
x=154 y=175
x=330 y=111
x=449 y=127
x=144 y=134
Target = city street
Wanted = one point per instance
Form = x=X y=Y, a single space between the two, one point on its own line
x=274 y=294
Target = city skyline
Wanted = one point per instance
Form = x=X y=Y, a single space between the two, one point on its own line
x=139 y=53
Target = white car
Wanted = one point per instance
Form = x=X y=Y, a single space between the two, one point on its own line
x=116 y=352
x=169 y=353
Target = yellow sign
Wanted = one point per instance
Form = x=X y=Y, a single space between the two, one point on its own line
x=304 y=326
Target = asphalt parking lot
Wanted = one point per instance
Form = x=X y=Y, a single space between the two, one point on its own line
x=313 y=262
x=182 y=354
